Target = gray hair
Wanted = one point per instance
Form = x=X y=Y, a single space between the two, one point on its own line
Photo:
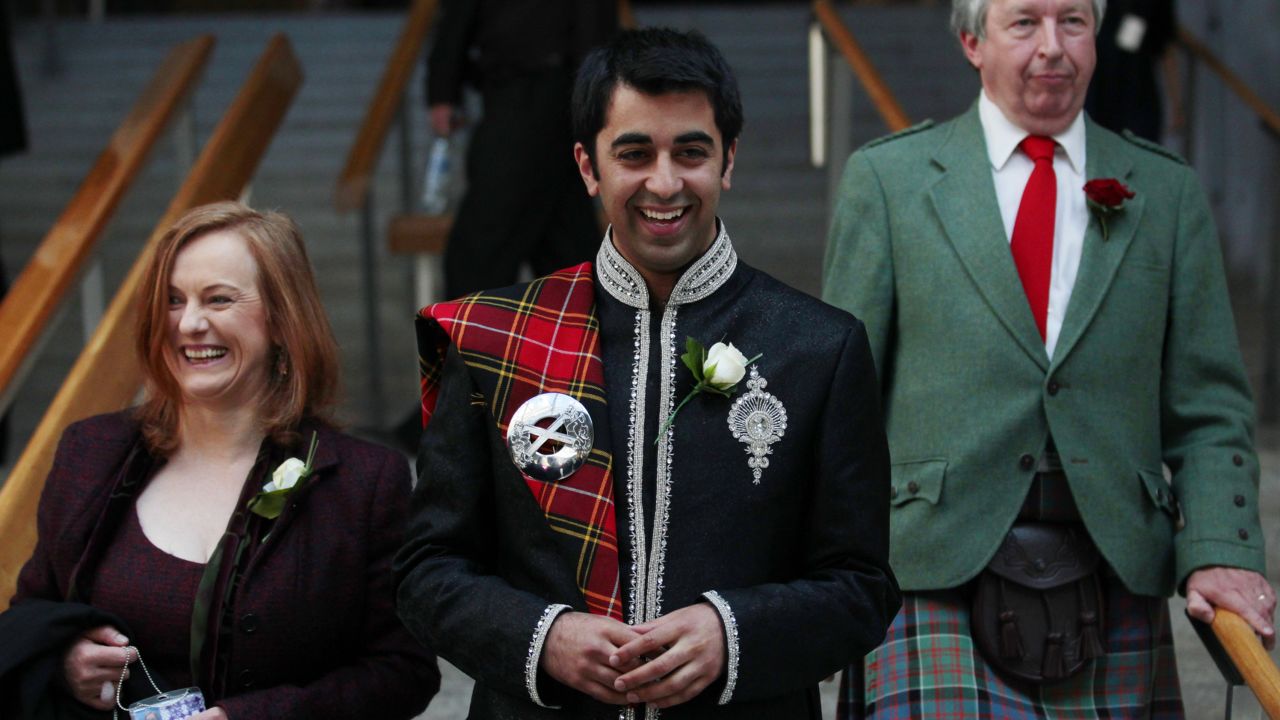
x=971 y=16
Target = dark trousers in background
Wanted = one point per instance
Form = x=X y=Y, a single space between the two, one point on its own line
x=525 y=201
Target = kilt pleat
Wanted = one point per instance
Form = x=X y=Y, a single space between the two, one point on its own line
x=930 y=667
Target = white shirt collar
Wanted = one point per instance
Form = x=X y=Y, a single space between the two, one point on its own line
x=1003 y=136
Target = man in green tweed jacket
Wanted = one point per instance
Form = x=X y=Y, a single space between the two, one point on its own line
x=1051 y=383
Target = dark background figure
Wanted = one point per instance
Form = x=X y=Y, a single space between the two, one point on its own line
x=1125 y=93
x=524 y=200
x=13 y=139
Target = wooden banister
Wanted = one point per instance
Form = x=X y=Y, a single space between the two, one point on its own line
x=626 y=16
x=106 y=376
x=887 y=105
x=1233 y=82
x=363 y=157
x=43 y=283
x=1250 y=658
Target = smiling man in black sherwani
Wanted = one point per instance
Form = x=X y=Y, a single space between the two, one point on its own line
x=587 y=544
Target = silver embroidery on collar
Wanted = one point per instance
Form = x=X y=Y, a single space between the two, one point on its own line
x=709 y=272
x=618 y=277
x=704 y=277
x=758 y=419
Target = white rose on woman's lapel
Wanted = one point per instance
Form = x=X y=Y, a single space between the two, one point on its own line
x=286 y=476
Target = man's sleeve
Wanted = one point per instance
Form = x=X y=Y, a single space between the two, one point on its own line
x=1206 y=406
x=450 y=596
x=858 y=269
x=789 y=635
x=447 y=59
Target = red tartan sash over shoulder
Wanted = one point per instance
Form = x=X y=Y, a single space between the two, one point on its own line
x=525 y=341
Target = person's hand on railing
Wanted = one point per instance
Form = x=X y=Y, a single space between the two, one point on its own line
x=445 y=118
x=92 y=666
x=1243 y=592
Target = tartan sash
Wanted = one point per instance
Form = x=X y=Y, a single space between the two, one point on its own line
x=520 y=342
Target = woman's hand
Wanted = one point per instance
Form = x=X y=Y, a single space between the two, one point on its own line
x=213 y=713
x=92 y=666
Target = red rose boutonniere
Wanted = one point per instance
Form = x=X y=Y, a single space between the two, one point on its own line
x=1106 y=197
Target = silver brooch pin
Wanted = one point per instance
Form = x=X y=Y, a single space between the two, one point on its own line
x=550 y=436
x=758 y=419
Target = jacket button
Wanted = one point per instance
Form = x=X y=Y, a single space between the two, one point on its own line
x=893 y=493
x=913 y=487
x=1026 y=462
x=1237 y=460
x=1239 y=501
x=249 y=624
x=1053 y=387
x=1160 y=495
x=1244 y=534
x=247 y=678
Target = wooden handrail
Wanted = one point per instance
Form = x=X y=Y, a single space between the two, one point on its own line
x=887 y=105
x=43 y=283
x=363 y=157
x=1255 y=102
x=106 y=377
x=1250 y=658
x=626 y=16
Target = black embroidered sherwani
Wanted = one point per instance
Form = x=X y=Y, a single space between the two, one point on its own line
x=793 y=559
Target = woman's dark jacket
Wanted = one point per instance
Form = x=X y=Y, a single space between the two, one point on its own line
x=300 y=622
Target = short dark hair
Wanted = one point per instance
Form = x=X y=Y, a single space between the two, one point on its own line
x=655 y=61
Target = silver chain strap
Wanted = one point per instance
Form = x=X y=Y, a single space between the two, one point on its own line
x=124 y=671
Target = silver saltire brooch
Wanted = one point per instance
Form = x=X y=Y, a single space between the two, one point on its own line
x=758 y=419
x=550 y=436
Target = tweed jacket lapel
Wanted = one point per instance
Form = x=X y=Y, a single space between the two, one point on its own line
x=964 y=198
x=1106 y=156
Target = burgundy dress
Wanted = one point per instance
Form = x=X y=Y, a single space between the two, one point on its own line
x=155 y=593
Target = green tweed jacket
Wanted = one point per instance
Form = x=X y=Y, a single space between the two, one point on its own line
x=1147 y=370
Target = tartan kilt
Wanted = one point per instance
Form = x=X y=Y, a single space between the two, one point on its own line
x=929 y=667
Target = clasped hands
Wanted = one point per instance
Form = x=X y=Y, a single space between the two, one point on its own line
x=665 y=662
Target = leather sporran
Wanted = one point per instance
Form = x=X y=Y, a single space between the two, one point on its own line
x=1037 y=611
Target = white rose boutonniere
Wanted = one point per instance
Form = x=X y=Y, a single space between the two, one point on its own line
x=724 y=366
x=286 y=476
x=269 y=502
x=718 y=370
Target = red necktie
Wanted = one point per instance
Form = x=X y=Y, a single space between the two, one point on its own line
x=1032 y=243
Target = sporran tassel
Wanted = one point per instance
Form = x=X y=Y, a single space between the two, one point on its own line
x=1054 y=665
